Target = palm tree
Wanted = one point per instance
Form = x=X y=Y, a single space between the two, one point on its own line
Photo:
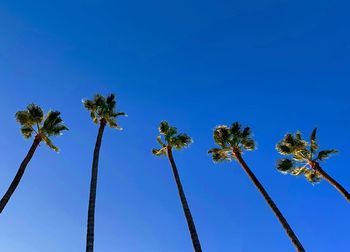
x=34 y=124
x=233 y=141
x=102 y=111
x=173 y=139
x=303 y=159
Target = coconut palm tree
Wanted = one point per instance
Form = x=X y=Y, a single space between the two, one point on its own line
x=232 y=142
x=41 y=128
x=173 y=139
x=303 y=159
x=103 y=112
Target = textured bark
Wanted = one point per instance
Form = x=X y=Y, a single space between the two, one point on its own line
x=188 y=215
x=269 y=201
x=19 y=174
x=93 y=187
x=332 y=181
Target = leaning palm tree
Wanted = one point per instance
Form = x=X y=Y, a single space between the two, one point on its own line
x=103 y=112
x=303 y=159
x=232 y=142
x=34 y=124
x=173 y=139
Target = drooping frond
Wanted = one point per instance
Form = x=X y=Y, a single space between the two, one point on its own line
x=219 y=155
x=169 y=136
x=27 y=132
x=159 y=152
x=103 y=109
x=285 y=165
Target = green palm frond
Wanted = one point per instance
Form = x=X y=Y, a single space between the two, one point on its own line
x=53 y=124
x=49 y=143
x=27 y=132
x=23 y=117
x=230 y=139
x=36 y=113
x=221 y=135
x=169 y=136
x=325 y=154
x=285 y=165
x=313 y=141
x=103 y=109
x=302 y=152
x=219 y=155
x=49 y=125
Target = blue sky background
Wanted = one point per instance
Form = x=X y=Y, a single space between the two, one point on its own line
x=277 y=66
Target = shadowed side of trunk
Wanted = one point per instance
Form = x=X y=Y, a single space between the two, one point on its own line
x=93 y=187
x=188 y=215
x=332 y=181
x=272 y=205
x=15 y=182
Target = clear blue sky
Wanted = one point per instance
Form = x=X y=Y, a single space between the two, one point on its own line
x=277 y=66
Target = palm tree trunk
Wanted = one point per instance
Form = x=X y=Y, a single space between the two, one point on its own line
x=190 y=222
x=93 y=187
x=272 y=205
x=20 y=172
x=332 y=181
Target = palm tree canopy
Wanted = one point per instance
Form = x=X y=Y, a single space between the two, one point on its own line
x=104 y=109
x=229 y=139
x=169 y=137
x=301 y=155
x=33 y=121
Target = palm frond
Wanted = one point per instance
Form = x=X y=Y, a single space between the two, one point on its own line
x=49 y=143
x=219 y=155
x=325 y=154
x=285 y=165
x=159 y=152
x=222 y=135
x=313 y=141
x=313 y=177
x=27 y=131
x=36 y=113
x=24 y=118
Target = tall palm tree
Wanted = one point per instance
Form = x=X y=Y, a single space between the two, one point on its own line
x=303 y=159
x=173 y=139
x=232 y=142
x=34 y=124
x=103 y=112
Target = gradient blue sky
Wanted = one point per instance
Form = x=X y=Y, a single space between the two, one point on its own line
x=277 y=66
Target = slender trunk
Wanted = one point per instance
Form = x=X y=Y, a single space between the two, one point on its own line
x=190 y=222
x=93 y=186
x=272 y=205
x=332 y=181
x=19 y=174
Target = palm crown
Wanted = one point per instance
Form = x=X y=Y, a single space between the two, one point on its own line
x=231 y=139
x=301 y=156
x=171 y=138
x=33 y=121
x=103 y=109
